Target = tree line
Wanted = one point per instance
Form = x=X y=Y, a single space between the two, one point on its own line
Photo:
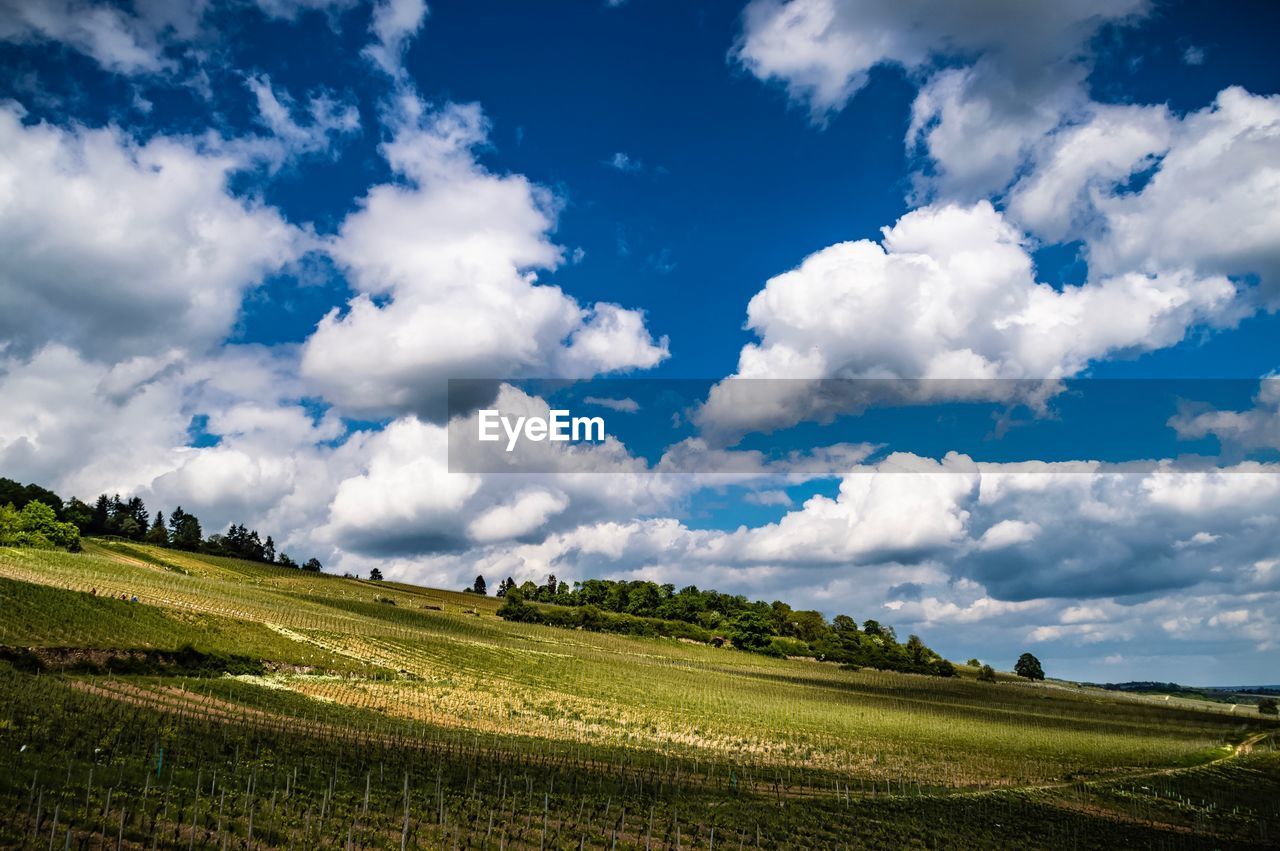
x=54 y=522
x=774 y=629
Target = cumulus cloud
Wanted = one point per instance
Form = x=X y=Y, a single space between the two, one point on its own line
x=978 y=127
x=948 y=293
x=1150 y=192
x=1146 y=191
x=1071 y=556
x=445 y=266
x=1208 y=205
x=1023 y=72
x=84 y=427
x=119 y=248
x=526 y=512
x=1253 y=428
x=1082 y=163
x=409 y=495
x=822 y=50
x=1027 y=531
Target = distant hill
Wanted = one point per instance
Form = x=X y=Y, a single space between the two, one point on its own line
x=1220 y=694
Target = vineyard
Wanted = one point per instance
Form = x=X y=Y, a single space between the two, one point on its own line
x=381 y=715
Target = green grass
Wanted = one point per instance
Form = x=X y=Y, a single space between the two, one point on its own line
x=439 y=670
x=43 y=617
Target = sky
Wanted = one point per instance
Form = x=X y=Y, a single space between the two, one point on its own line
x=247 y=245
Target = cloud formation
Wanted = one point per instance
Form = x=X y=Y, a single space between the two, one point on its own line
x=120 y=248
x=948 y=293
x=823 y=50
x=445 y=265
x=393 y=24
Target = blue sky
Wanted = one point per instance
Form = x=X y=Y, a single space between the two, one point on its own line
x=260 y=235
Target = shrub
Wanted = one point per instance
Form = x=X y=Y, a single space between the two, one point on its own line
x=36 y=525
x=791 y=646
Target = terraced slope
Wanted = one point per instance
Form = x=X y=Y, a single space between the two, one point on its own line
x=352 y=669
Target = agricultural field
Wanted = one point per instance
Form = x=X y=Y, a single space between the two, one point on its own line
x=245 y=705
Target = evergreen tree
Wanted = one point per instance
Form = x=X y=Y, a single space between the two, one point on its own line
x=547 y=593
x=79 y=514
x=158 y=534
x=184 y=530
x=479 y=586
x=21 y=495
x=137 y=514
x=116 y=515
x=269 y=550
x=101 y=516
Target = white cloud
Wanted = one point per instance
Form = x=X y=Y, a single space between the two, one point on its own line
x=119 y=40
x=526 y=512
x=403 y=499
x=1009 y=532
x=1088 y=560
x=1254 y=428
x=822 y=50
x=444 y=264
x=393 y=24
x=1006 y=533
x=949 y=293
x=326 y=117
x=769 y=497
x=1082 y=162
x=82 y=427
x=119 y=248
x=624 y=405
x=405 y=494
x=1147 y=192
x=85 y=428
x=1208 y=206
x=141 y=37
x=978 y=126
x=624 y=163
x=1199 y=539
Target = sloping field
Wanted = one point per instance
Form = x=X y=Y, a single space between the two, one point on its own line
x=366 y=673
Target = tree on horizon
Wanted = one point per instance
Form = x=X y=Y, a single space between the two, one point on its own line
x=1028 y=666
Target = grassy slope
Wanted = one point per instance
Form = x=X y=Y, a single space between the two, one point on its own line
x=441 y=664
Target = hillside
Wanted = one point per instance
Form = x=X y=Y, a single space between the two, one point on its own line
x=380 y=713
